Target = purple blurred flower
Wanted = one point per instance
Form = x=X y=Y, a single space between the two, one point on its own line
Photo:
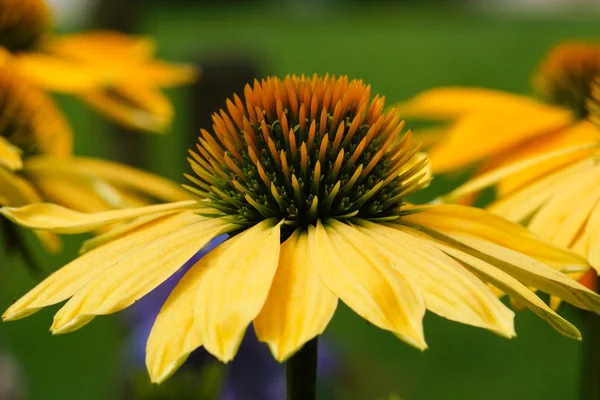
x=253 y=374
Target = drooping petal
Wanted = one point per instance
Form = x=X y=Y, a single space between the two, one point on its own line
x=126 y=113
x=62 y=220
x=527 y=270
x=136 y=274
x=65 y=282
x=59 y=74
x=236 y=288
x=452 y=102
x=355 y=269
x=448 y=288
x=492 y=177
x=512 y=286
x=10 y=156
x=174 y=334
x=158 y=73
x=299 y=306
x=474 y=137
x=481 y=224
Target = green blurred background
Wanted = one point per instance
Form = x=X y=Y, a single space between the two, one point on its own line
x=400 y=49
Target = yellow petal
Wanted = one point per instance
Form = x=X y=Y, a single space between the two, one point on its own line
x=354 y=268
x=62 y=220
x=65 y=282
x=448 y=288
x=474 y=137
x=592 y=232
x=174 y=334
x=127 y=114
x=236 y=288
x=10 y=156
x=529 y=271
x=451 y=102
x=158 y=73
x=563 y=216
x=59 y=74
x=482 y=224
x=520 y=206
x=513 y=287
x=136 y=274
x=299 y=306
x=492 y=177
x=131 y=178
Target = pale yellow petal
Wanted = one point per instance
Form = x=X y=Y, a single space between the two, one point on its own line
x=131 y=178
x=592 y=234
x=236 y=288
x=491 y=178
x=473 y=137
x=125 y=113
x=451 y=102
x=355 y=269
x=10 y=156
x=174 y=334
x=299 y=306
x=136 y=274
x=62 y=220
x=563 y=216
x=82 y=195
x=529 y=271
x=482 y=224
x=66 y=281
x=59 y=74
x=511 y=286
x=448 y=288
x=520 y=206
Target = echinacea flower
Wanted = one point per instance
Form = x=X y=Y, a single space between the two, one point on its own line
x=497 y=128
x=309 y=177
x=114 y=73
x=36 y=162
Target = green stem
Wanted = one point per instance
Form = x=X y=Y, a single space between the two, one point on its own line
x=301 y=371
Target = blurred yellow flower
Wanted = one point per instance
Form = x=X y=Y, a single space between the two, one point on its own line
x=309 y=178
x=36 y=164
x=114 y=73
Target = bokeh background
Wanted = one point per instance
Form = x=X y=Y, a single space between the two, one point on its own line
x=400 y=48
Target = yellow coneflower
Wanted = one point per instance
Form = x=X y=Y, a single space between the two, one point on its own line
x=498 y=128
x=115 y=73
x=36 y=164
x=309 y=177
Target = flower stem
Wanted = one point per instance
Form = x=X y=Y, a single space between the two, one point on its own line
x=301 y=371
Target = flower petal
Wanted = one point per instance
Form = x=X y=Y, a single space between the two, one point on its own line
x=62 y=220
x=449 y=289
x=10 y=156
x=59 y=74
x=511 y=286
x=236 y=288
x=493 y=177
x=136 y=274
x=527 y=270
x=450 y=102
x=354 y=268
x=299 y=306
x=65 y=282
x=174 y=335
x=482 y=224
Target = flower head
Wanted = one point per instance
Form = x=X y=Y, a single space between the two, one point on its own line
x=349 y=237
x=115 y=73
x=23 y=23
x=303 y=150
x=565 y=76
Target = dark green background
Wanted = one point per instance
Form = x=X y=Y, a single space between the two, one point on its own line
x=400 y=51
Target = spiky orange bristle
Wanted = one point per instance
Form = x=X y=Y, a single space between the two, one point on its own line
x=22 y=23
x=304 y=148
x=566 y=74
